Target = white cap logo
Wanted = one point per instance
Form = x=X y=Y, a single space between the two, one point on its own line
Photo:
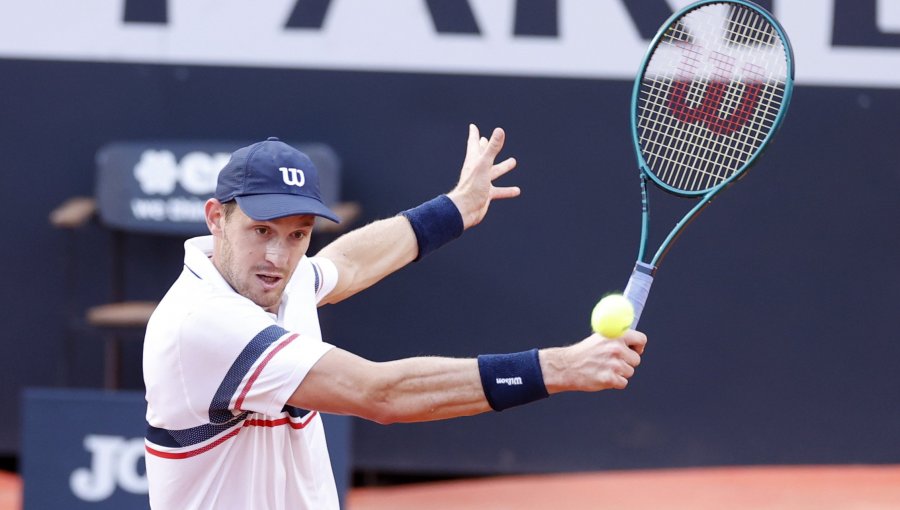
x=293 y=176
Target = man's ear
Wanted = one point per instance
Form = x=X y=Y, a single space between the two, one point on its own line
x=215 y=216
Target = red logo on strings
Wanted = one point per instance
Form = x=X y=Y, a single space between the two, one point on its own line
x=707 y=111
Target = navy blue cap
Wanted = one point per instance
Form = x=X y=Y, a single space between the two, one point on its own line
x=270 y=180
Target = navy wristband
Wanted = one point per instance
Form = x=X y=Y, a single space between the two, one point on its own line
x=435 y=223
x=511 y=380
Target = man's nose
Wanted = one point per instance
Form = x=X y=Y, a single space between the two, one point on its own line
x=277 y=253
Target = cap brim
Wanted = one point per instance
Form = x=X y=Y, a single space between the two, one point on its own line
x=279 y=205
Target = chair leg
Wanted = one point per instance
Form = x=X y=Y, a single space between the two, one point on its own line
x=113 y=355
x=71 y=314
x=112 y=371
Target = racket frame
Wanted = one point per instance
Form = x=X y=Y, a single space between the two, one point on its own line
x=638 y=287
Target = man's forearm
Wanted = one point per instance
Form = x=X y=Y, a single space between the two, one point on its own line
x=368 y=254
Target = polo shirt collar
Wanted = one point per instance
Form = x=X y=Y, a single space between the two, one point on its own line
x=197 y=253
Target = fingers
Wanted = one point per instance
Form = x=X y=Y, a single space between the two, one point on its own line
x=596 y=363
x=498 y=171
x=619 y=383
x=624 y=357
x=495 y=144
x=631 y=357
x=620 y=351
x=481 y=145
x=484 y=151
x=620 y=374
x=475 y=190
x=506 y=192
x=635 y=340
x=503 y=168
x=473 y=145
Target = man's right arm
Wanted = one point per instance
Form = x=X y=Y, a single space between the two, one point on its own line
x=438 y=388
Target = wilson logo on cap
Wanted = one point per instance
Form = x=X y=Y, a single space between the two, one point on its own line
x=293 y=176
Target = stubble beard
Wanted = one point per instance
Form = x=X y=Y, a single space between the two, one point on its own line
x=232 y=275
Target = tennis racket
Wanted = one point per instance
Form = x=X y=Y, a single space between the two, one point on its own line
x=710 y=95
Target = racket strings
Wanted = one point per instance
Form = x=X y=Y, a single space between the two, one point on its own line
x=710 y=95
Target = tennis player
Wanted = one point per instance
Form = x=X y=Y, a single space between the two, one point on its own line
x=235 y=366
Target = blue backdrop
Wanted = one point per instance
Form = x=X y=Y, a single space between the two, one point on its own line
x=773 y=325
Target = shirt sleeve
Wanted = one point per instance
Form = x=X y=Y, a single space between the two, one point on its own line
x=326 y=276
x=237 y=359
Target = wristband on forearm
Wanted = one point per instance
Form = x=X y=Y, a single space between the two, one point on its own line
x=511 y=380
x=435 y=223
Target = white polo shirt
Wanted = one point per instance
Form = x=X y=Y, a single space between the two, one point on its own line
x=219 y=371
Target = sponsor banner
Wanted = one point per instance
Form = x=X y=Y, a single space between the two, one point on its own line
x=85 y=449
x=837 y=42
x=161 y=187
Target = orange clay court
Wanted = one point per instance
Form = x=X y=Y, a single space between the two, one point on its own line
x=732 y=488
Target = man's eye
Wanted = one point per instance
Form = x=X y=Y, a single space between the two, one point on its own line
x=299 y=235
x=261 y=230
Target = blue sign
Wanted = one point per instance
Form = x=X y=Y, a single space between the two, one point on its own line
x=161 y=186
x=84 y=449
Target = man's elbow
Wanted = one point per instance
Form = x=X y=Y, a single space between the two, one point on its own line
x=384 y=408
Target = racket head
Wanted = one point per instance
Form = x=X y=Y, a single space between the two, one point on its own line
x=711 y=92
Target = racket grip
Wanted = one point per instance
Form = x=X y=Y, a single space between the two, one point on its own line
x=638 y=289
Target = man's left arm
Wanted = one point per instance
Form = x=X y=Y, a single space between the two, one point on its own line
x=368 y=254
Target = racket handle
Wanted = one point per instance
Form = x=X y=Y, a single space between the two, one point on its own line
x=638 y=288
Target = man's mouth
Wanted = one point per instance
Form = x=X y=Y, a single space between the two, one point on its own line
x=269 y=281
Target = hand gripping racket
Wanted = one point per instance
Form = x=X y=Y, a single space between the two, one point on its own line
x=710 y=94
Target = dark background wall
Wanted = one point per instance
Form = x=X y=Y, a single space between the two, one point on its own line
x=773 y=324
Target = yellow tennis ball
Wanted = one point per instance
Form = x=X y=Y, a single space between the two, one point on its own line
x=612 y=316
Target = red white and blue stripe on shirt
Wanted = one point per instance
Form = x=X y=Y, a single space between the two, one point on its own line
x=223 y=422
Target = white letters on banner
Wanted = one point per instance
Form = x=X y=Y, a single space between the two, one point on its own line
x=591 y=39
x=158 y=173
x=114 y=463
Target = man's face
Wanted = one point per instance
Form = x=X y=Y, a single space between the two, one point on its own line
x=257 y=258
